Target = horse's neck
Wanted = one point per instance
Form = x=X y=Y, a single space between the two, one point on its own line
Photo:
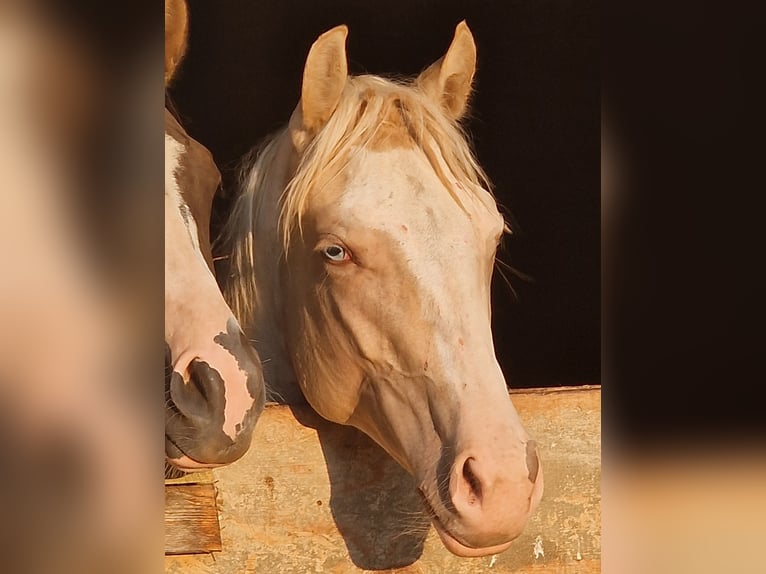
x=268 y=327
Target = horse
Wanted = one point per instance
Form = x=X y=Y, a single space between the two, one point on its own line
x=361 y=248
x=214 y=384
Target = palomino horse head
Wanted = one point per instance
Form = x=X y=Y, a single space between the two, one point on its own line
x=374 y=238
x=214 y=387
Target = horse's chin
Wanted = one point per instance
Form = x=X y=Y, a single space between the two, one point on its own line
x=186 y=464
x=179 y=460
x=459 y=549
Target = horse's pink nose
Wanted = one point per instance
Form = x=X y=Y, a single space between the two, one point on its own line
x=493 y=495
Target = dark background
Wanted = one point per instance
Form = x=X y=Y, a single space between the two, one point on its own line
x=535 y=122
x=683 y=259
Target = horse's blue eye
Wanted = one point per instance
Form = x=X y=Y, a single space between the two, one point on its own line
x=335 y=253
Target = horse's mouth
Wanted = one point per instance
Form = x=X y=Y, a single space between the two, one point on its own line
x=179 y=460
x=453 y=544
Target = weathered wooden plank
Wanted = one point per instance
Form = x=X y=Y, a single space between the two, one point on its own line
x=312 y=496
x=191 y=519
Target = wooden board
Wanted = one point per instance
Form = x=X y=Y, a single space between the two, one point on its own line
x=312 y=496
x=191 y=519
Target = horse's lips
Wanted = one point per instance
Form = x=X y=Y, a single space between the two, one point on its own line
x=460 y=549
x=181 y=461
x=187 y=464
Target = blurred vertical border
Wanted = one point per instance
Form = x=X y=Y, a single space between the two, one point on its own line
x=81 y=283
x=684 y=461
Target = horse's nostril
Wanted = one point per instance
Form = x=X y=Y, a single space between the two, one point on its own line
x=202 y=398
x=473 y=482
x=203 y=377
x=533 y=463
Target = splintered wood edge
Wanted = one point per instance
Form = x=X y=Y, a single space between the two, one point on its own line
x=202 y=477
x=191 y=519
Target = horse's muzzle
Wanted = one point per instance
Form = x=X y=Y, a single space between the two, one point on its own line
x=195 y=416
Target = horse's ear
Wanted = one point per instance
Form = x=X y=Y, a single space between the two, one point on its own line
x=324 y=78
x=449 y=79
x=176 y=34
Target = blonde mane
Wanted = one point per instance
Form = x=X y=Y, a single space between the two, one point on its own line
x=369 y=105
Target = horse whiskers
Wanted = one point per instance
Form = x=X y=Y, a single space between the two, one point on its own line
x=411 y=522
x=185 y=436
x=417 y=512
x=173 y=472
x=507 y=282
x=176 y=415
x=516 y=272
x=443 y=485
x=274 y=396
x=414 y=532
